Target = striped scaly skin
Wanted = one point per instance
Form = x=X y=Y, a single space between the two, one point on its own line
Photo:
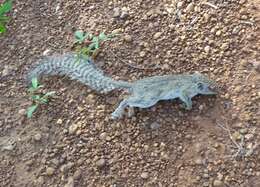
x=77 y=68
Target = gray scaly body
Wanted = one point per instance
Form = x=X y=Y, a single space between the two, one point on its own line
x=143 y=93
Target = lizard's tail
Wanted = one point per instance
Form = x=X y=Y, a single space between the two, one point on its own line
x=79 y=68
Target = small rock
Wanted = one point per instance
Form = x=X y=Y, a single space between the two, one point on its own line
x=155 y=125
x=142 y=54
x=207 y=49
x=179 y=4
x=124 y=14
x=59 y=121
x=70 y=182
x=144 y=175
x=256 y=65
x=39 y=181
x=50 y=171
x=206 y=17
x=77 y=174
x=8 y=146
x=217 y=183
x=22 y=111
x=157 y=35
x=65 y=168
x=218 y=33
x=37 y=137
x=190 y=7
x=73 y=128
x=170 y=10
x=249 y=136
x=116 y=12
x=198 y=161
x=90 y=99
x=101 y=163
x=236 y=135
x=128 y=38
x=103 y=136
x=6 y=70
x=116 y=31
x=46 y=52
x=243 y=131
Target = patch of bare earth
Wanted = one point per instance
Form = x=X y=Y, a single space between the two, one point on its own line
x=73 y=142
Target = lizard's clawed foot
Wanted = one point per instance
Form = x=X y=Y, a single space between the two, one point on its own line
x=116 y=115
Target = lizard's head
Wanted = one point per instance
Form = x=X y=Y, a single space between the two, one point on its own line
x=204 y=85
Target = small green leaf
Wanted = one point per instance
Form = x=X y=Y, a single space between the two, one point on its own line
x=4 y=19
x=34 y=83
x=80 y=36
x=31 y=110
x=5 y=7
x=102 y=36
x=43 y=100
x=2 y=28
x=92 y=46
x=36 y=97
x=49 y=94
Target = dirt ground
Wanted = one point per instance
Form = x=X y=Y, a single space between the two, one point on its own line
x=73 y=142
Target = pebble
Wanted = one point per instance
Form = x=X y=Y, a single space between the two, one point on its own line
x=217 y=183
x=190 y=7
x=142 y=54
x=180 y=4
x=39 y=181
x=6 y=70
x=236 y=135
x=50 y=171
x=73 y=128
x=256 y=65
x=22 y=111
x=128 y=38
x=218 y=33
x=116 y=12
x=37 y=137
x=144 y=175
x=46 y=52
x=198 y=161
x=59 y=121
x=155 y=125
x=207 y=49
x=157 y=35
x=101 y=163
x=206 y=17
x=124 y=14
x=65 y=168
x=77 y=174
x=70 y=182
x=116 y=31
x=103 y=136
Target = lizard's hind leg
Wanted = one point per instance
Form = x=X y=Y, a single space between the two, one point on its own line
x=134 y=101
x=120 y=109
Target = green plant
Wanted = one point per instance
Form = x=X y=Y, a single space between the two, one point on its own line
x=37 y=98
x=89 y=44
x=4 y=8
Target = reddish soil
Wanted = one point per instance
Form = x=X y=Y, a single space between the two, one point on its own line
x=73 y=142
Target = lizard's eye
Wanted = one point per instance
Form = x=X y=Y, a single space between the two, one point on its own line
x=200 y=86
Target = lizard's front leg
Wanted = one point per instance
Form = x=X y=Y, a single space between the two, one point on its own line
x=187 y=100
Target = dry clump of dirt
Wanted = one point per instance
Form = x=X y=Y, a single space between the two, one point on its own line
x=73 y=142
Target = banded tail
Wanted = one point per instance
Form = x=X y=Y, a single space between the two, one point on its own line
x=78 y=68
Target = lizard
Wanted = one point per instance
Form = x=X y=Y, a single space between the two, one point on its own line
x=143 y=93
